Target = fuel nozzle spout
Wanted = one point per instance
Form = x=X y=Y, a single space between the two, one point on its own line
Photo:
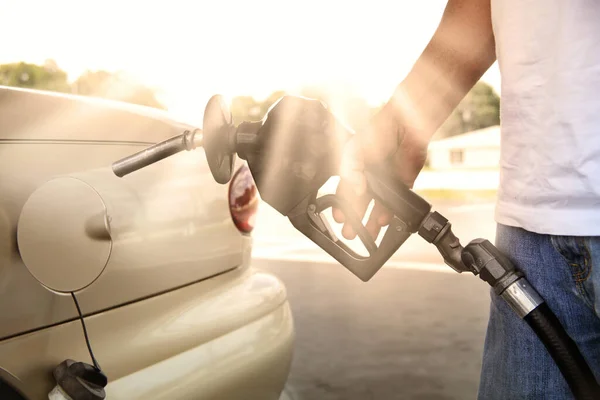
x=188 y=140
x=218 y=137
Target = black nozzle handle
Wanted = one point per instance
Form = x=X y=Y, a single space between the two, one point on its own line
x=404 y=203
x=364 y=267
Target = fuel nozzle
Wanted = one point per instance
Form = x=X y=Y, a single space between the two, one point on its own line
x=217 y=137
x=291 y=153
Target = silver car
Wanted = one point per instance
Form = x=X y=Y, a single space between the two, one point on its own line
x=159 y=261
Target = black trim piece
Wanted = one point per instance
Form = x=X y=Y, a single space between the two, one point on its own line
x=115 y=307
x=11 y=388
x=7 y=392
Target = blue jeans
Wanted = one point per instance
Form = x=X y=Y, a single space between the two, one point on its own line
x=566 y=272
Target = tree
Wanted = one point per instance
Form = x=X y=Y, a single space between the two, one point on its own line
x=115 y=86
x=479 y=109
x=45 y=77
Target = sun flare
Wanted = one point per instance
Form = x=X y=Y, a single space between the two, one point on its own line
x=191 y=50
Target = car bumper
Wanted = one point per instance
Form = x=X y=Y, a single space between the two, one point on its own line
x=227 y=337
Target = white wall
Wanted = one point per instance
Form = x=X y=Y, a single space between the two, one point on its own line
x=458 y=179
x=472 y=157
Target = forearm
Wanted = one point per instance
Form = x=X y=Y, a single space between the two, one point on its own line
x=459 y=53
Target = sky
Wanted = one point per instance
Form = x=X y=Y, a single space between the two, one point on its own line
x=189 y=50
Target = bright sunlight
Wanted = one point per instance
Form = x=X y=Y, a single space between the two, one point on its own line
x=189 y=50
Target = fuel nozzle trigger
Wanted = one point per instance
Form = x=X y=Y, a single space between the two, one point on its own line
x=307 y=217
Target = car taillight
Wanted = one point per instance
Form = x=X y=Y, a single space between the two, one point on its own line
x=243 y=199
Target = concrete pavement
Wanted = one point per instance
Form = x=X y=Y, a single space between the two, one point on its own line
x=415 y=331
x=406 y=334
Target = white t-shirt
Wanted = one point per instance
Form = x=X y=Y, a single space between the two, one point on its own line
x=549 y=57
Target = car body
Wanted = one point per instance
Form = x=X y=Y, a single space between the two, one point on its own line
x=177 y=311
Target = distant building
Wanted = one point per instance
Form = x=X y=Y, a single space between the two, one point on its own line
x=473 y=150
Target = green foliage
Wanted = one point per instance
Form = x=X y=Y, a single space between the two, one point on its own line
x=479 y=109
x=25 y=75
x=97 y=83
x=115 y=87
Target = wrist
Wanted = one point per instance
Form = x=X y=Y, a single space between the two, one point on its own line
x=409 y=108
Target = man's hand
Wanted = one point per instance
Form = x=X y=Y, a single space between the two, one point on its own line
x=389 y=140
x=459 y=52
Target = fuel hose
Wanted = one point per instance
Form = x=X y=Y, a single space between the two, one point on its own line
x=565 y=353
x=498 y=271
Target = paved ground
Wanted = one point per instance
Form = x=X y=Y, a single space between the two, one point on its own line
x=415 y=331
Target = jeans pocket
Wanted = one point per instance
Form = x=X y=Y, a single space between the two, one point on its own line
x=576 y=253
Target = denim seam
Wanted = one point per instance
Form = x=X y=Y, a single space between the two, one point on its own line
x=578 y=273
x=557 y=246
x=587 y=258
x=585 y=273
